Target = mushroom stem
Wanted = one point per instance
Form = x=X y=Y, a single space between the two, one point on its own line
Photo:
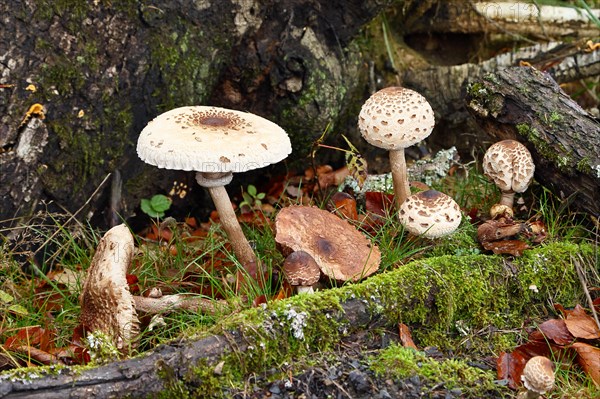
x=240 y=245
x=305 y=289
x=508 y=198
x=174 y=302
x=399 y=176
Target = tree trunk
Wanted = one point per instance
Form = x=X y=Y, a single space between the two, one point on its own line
x=102 y=70
x=525 y=104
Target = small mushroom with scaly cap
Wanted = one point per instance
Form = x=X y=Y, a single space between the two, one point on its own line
x=510 y=166
x=301 y=271
x=215 y=143
x=395 y=118
x=430 y=214
x=537 y=377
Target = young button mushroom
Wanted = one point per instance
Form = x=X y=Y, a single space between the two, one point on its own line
x=395 y=118
x=106 y=303
x=537 y=377
x=301 y=271
x=340 y=250
x=215 y=143
x=430 y=214
x=510 y=166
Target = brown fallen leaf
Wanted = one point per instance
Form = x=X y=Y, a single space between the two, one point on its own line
x=406 y=337
x=344 y=204
x=555 y=330
x=511 y=247
x=588 y=357
x=579 y=323
x=379 y=203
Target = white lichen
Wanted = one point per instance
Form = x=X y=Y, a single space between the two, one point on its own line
x=297 y=322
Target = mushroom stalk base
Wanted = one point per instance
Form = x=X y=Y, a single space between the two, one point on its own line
x=508 y=198
x=399 y=176
x=240 y=245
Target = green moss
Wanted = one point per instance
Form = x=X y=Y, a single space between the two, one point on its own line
x=397 y=362
x=563 y=161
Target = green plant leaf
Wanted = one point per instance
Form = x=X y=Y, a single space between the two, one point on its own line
x=261 y=196
x=160 y=203
x=148 y=209
x=251 y=190
x=18 y=309
x=5 y=297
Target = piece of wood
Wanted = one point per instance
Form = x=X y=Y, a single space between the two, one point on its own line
x=527 y=105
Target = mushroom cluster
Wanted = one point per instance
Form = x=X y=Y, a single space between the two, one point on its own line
x=394 y=118
x=215 y=143
x=341 y=252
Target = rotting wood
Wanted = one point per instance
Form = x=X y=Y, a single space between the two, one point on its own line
x=527 y=105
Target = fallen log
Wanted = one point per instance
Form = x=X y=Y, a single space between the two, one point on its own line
x=430 y=295
x=525 y=104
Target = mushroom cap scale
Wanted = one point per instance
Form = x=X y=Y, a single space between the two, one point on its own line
x=212 y=140
x=430 y=213
x=509 y=165
x=341 y=252
x=395 y=117
x=538 y=375
x=106 y=303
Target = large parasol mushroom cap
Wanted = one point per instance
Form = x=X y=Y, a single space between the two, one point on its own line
x=212 y=140
x=341 y=251
x=106 y=303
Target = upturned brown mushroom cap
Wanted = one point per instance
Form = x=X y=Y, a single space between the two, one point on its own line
x=395 y=118
x=538 y=375
x=301 y=269
x=106 y=303
x=509 y=165
x=430 y=213
x=340 y=250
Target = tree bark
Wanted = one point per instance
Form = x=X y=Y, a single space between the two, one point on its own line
x=102 y=70
x=525 y=104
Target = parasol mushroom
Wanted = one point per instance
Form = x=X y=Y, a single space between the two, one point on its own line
x=341 y=251
x=106 y=303
x=395 y=118
x=537 y=377
x=301 y=271
x=215 y=143
x=510 y=166
x=430 y=213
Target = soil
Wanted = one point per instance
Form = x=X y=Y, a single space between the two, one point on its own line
x=345 y=373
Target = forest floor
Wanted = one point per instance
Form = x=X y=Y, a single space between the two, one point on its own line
x=345 y=373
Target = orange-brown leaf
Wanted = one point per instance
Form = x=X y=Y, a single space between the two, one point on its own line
x=406 y=337
x=581 y=324
x=344 y=204
x=589 y=360
x=510 y=366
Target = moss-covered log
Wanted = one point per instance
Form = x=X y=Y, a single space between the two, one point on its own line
x=433 y=296
x=101 y=70
x=527 y=105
